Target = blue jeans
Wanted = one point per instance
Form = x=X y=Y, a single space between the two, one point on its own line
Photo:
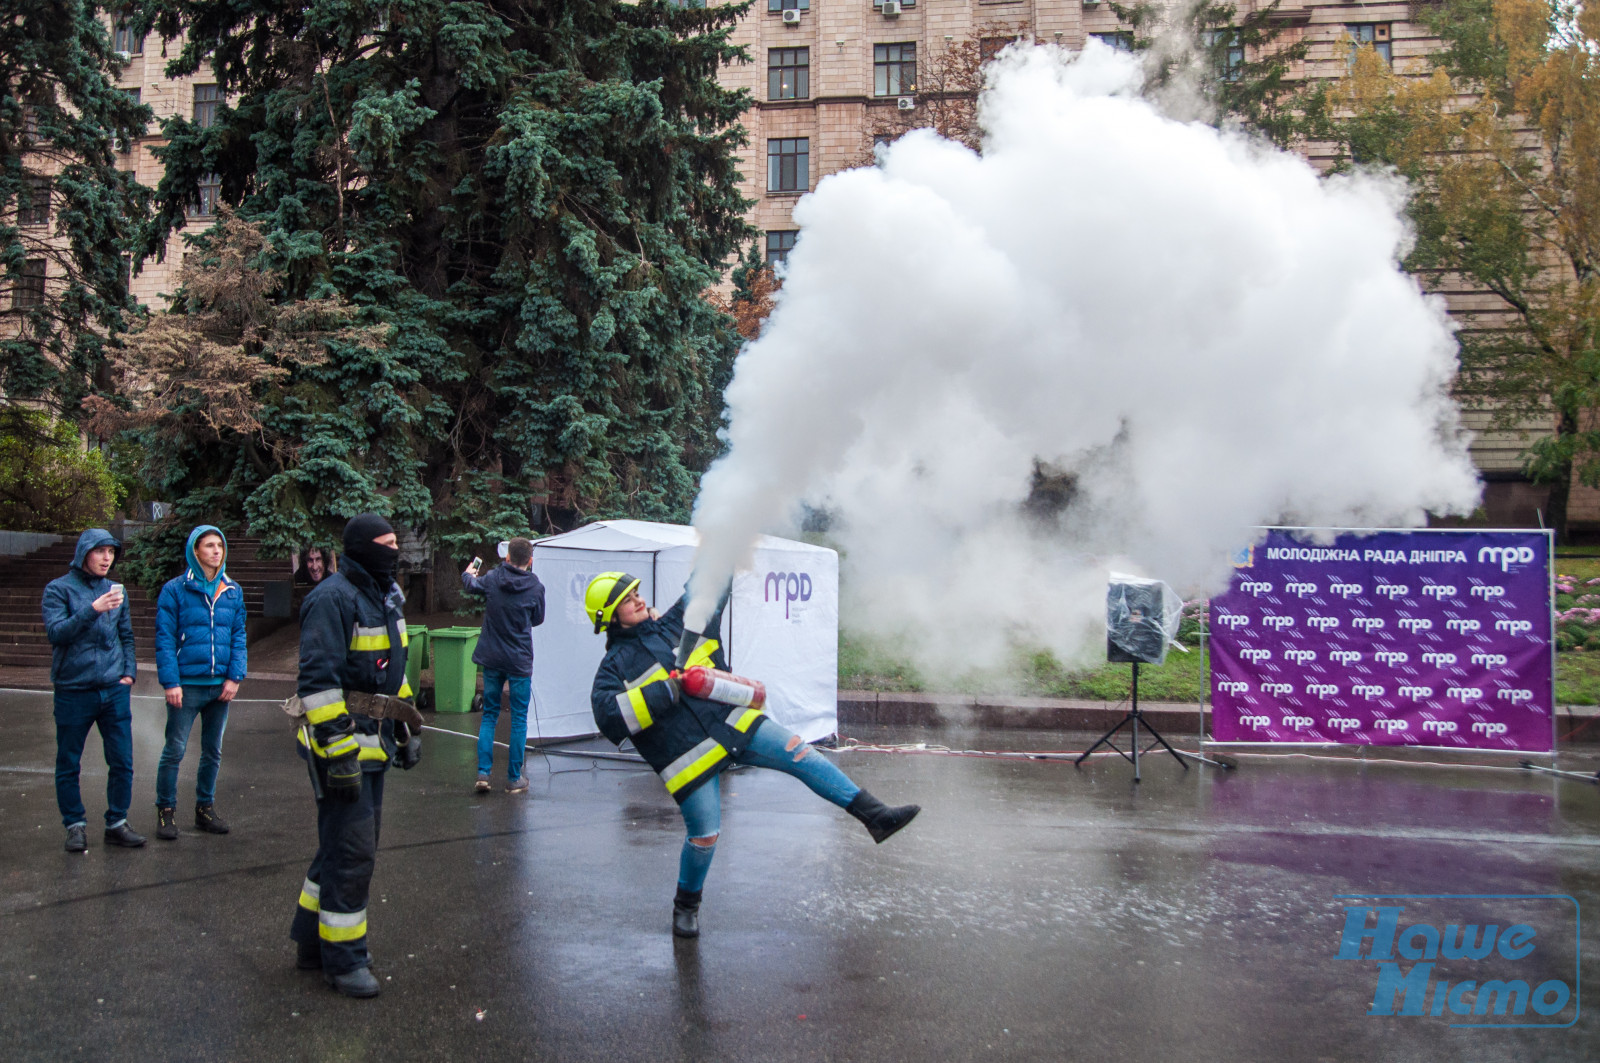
x=201 y=701
x=108 y=708
x=521 y=687
x=772 y=746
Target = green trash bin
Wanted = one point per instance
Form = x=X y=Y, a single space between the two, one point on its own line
x=416 y=654
x=455 y=677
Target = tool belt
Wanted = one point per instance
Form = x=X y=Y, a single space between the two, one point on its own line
x=372 y=706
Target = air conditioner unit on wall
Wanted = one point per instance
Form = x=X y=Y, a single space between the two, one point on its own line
x=791 y=17
x=906 y=103
x=891 y=8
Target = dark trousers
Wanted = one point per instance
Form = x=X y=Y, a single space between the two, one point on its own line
x=333 y=898
x=76 y=711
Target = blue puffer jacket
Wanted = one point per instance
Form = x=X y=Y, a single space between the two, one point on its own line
x=90 y=649
x=200 y=640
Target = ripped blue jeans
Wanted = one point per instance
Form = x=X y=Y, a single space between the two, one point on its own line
x=772 y=746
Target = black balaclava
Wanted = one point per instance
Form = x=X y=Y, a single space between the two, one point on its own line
x=379 y=561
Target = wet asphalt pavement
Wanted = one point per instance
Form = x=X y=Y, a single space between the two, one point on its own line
x=1032 y=912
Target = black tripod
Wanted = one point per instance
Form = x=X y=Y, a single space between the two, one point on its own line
x=1135 y=717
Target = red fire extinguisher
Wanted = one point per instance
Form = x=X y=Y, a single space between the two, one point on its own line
x=715 y=685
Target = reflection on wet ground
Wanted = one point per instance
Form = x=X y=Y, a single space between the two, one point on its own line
x=1033 y=911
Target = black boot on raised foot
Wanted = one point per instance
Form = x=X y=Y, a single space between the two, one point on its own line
x=206 y=819
x=686 y=914
x=881 y=821
x=357 y=983
x=308 y=955
x=123 y=835
x=166 y=824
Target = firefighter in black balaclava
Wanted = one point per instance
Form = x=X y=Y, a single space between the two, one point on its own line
x=353 y=722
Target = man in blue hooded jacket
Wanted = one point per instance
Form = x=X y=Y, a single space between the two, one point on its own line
x=505 y=652
x=200 y=660
x=92 y=668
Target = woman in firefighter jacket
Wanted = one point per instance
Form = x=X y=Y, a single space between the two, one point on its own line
x=689 y=740
x=352 y=646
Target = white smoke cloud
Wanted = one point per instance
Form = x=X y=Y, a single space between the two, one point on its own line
x=1199 y=330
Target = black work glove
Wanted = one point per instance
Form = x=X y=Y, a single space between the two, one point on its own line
x=408 y=747
x=343 y=779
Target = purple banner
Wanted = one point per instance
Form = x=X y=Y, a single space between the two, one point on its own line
x=1428 y=638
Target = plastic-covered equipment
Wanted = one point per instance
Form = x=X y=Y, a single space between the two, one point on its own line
x=1142 y=618
x=455 y=677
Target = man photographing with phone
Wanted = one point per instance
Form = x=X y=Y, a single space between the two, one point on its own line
x=505 y=651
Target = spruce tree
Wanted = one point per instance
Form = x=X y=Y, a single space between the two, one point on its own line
x=529 y=197
x=64 y=204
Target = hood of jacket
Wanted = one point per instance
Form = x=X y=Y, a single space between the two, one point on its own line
x=516 y=580
x=91 y=539
x=195 y=571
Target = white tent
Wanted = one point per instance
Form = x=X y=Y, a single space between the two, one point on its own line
x=781 y=626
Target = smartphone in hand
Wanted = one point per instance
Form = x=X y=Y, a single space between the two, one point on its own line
x=476 y=566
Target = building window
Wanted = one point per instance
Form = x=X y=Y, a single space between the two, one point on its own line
x=1122 y=40
x=788 y=5
x=789 y=165
x=206 y=98
x=1370 y=34
x=29 y=290
x=1227 y=51
x=124 y=40
x=210 y=196
x=37 y=209
x=894 y=69
x=788 y=73
x=779 y=244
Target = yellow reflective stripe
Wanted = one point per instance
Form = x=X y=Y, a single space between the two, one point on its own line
x=369 y=643
x=405 y=640
x=310 y=895
x=655 y=672
x=341 y=926
x=693 y=764
x=741 y=718
x=321 y=698
x=342 y=746
x=326 y=713
x=635 y=712
x=371 y=747
x=702 y=653
x=405 y=690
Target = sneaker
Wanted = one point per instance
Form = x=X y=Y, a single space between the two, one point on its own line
x=206 y=819
x=518 y=787
x=123 y=835
x=482 y=785
x=166 y=826
x=77 y=838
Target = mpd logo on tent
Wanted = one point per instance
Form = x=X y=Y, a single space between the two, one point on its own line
x=787 y=587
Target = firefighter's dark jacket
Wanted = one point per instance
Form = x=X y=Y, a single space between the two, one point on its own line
x=352 y=637
x=686 y=740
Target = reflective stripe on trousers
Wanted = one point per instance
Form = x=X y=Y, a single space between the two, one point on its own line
x=693 y=764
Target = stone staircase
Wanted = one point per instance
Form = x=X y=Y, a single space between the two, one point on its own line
x=23 y=578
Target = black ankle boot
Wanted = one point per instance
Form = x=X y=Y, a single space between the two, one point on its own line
x=686 y=914
x=880 y=820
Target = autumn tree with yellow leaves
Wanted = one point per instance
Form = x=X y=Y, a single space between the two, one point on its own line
x=1502 y=147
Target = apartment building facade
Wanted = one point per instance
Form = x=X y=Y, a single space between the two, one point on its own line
x=826 y=74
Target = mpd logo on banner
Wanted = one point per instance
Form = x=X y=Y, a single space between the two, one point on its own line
x=1390 y=638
